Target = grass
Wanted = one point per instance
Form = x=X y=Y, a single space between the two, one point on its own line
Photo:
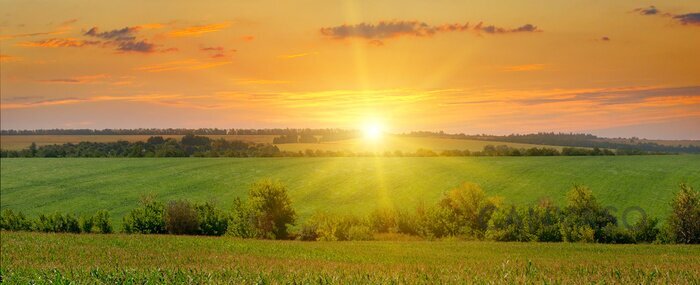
x=355 y=185
x=59 y=258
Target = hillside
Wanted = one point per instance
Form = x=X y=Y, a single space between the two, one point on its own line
x=356 y=185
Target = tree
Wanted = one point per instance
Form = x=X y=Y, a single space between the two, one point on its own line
x=469 y=208
x=684 y=221
x=271 y=209
x=148 y=219
x=102 y=222
x=584 y=215
x=181 y=218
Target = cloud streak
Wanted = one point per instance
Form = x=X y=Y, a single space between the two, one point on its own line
x=195 y=31
x=688 y=19
x=190 y=64
x=394 y=29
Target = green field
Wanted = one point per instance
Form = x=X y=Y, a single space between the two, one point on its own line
x=137 y=259
x=355 y=185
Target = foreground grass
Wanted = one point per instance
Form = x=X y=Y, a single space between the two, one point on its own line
x=58 y=258
x=345 y=185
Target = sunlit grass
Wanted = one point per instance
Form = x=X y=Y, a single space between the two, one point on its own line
x=178 y=259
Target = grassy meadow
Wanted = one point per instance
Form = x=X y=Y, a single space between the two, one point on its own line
x=139 y=259
x=345 y=185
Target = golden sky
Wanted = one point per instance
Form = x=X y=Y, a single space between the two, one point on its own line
x=497 y=67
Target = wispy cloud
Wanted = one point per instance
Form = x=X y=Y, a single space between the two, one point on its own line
x=85 y=79
x=688 y=19
x=296 y=55
x=393 y=29
x=260 y=82
x=194 y=31
x=524 y=67
x=190 y=64
x=123 y=40
x=9 y=58
x=59 y=42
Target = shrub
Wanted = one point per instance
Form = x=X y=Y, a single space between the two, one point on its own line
x=181 y=218
x=212 y=221
x=469 y=208
x=271 y=209
x=542 y=221
x=324 y=226
x=148 y=219
x=58 y=223
x=684 y=221
x=102 y=222
x=508 y=224
x=383 y=220
x=241 y=223
x=583 y=213
x=646 y=230
x=86 y=224
x=11 y=221
x=360 y=232
x=614 y=234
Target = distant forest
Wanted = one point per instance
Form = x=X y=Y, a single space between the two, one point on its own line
x=572 y=140
x=324 y=135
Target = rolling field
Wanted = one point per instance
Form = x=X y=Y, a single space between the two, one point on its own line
x=387 y=143
x=356 y=185
x=139 y=259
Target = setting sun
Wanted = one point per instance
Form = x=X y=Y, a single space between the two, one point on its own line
x=373 y=131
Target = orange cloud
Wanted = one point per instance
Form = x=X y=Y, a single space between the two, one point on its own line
x=248 y=38
x=56 y=42
x=85 y=79
x=296 y=55
x=190 y=64
x=525 y=67
x=198 y=30
x=9 y=58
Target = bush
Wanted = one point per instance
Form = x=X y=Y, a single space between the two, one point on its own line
x=212 y=221
x=646 y=230
x=181 y=218
x=58 y=223
x=583 y=213
x=360 y=232
x=11 y=221
x=86 y=224
x=542 y=221
x=102 y=222
x=383 y=220
x=684 y=222
x=148 y=219
x=241 y=223
x=271 y=209
x=469 y=209
x=508 y=224
x=324 y=226
x=614 y=234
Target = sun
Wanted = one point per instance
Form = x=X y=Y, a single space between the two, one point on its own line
x=373 y=131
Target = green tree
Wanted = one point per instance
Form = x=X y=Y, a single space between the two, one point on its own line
x=148 y=219
x=181 y=218
x=271 y=209
x=584 y=215
x=684 y=221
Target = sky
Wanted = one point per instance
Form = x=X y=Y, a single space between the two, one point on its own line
x=614 y=68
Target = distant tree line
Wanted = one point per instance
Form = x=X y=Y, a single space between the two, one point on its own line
x=628 y=145
x=328 y=133
x=202 y=146
x=463 y=212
